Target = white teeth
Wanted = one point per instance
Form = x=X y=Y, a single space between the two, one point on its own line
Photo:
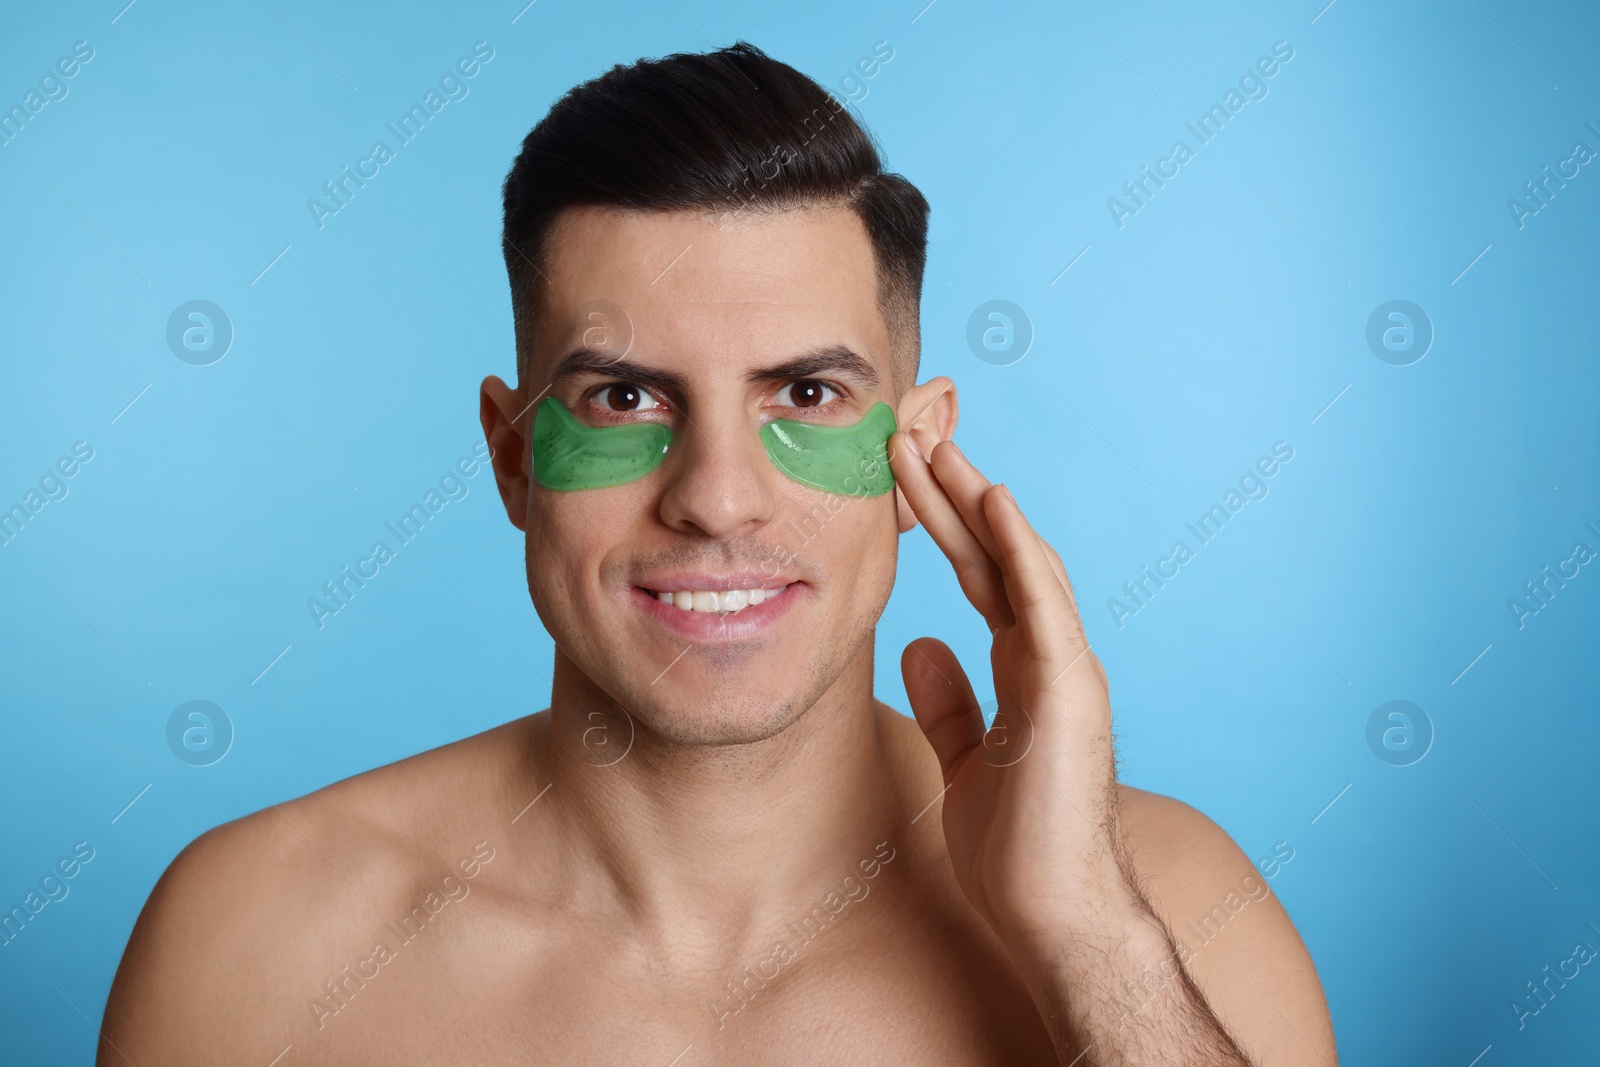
x=719 y=602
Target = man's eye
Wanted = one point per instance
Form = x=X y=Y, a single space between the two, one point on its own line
x=806 y=393
x=625 y=396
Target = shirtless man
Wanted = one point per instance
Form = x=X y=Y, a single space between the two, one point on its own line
x=715 y=846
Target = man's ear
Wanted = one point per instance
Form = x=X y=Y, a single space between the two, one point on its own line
x=503 y=412
x=928 y=413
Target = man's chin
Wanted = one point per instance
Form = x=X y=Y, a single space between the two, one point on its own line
x=720 y=721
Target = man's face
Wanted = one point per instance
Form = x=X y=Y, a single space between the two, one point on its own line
x=734 y=321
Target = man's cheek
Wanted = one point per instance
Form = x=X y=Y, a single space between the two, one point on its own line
x=558 y=572
x=861 y=540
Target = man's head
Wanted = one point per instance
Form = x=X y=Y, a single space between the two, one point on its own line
x=727 y=131
x=709 y=242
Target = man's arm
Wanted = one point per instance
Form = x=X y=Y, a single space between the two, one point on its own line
x=1192 y=960
x=1112 y=990
x=1234 y=938
x=1035 y=822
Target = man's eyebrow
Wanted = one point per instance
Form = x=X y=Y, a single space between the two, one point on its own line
x=585 y=360
x=833 y=359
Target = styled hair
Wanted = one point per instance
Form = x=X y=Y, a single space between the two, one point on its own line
x=722 y=130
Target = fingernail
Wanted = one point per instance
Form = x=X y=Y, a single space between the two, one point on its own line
x=911 y=443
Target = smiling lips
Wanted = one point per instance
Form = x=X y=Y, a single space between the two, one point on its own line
x=718 y=601
x=739 y=609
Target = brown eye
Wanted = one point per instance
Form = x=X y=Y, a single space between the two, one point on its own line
x=807 y=393
x=625 y=396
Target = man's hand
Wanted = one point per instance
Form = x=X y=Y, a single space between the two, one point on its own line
x=1030 y=811
x=1030 y=808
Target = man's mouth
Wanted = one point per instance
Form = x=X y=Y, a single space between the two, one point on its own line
x=709 y=608
x=718 y=601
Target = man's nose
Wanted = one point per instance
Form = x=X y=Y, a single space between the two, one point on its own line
x=720 y=481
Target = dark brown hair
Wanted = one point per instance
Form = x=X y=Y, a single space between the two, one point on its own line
x=728 y=129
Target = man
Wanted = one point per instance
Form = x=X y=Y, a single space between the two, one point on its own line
x=715 y=847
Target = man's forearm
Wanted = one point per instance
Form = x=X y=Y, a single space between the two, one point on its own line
x=1114 y=992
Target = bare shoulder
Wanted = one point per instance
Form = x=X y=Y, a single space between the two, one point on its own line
x=247 y=919
x=1234 y=937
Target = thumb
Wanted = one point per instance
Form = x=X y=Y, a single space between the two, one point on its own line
x=943 y=701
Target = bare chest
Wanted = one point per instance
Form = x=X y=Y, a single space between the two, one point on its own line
x=917 y=983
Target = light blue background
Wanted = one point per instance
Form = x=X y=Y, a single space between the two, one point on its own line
x=1223 y=317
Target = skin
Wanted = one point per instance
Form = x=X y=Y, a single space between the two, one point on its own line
x=684 y=804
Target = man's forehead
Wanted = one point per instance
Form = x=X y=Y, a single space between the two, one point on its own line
x=751 y=281
x=743 y=250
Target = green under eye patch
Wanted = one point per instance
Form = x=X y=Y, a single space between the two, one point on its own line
x=848 y=460
x=569 y=455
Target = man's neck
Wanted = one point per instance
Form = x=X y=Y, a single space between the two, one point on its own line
x=762 y=828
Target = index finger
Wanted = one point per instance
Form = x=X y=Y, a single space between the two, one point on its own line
x=1045 y=612
x=974 y=565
